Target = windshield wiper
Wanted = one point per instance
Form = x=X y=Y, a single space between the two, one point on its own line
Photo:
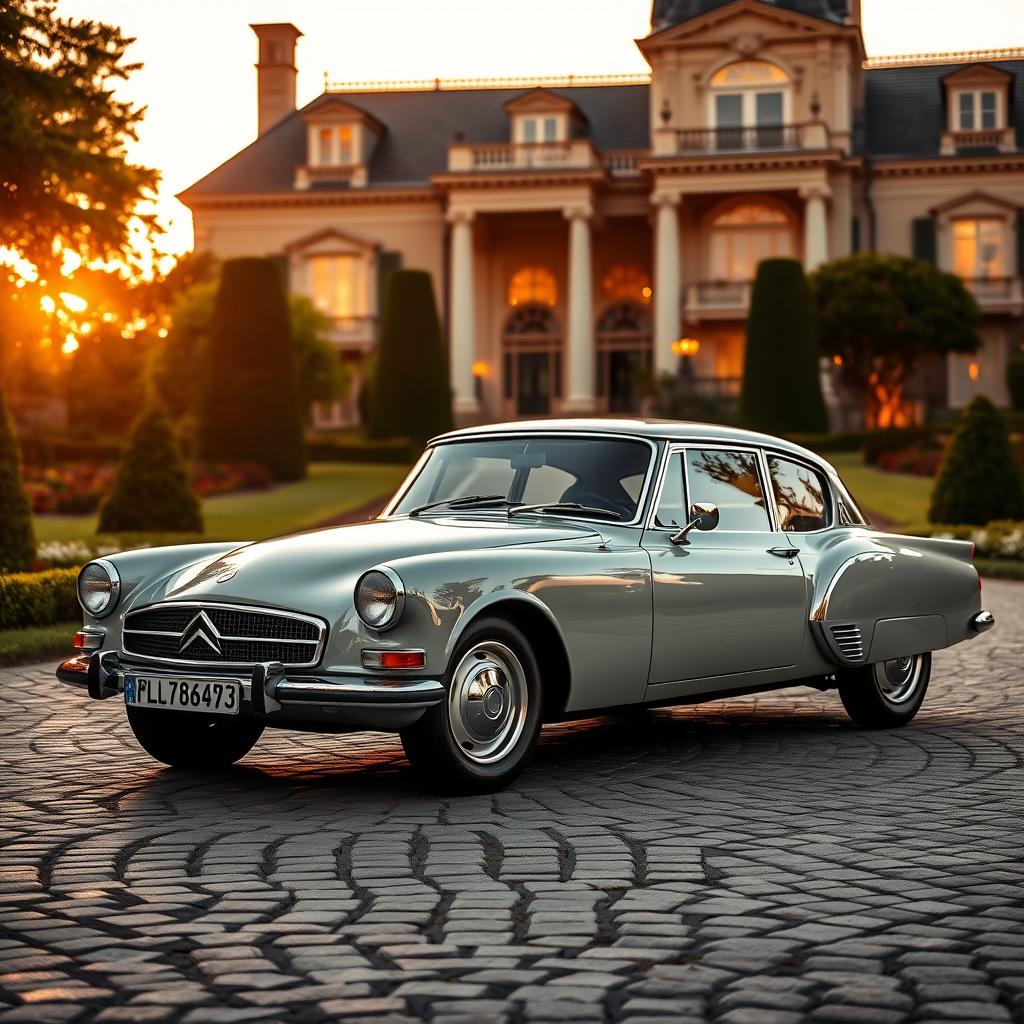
x=467 y=501
x=565 y=507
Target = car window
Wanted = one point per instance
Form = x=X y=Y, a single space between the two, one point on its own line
x=729 y=480
x=799 y=496
x=670 y=510
x=605 y=473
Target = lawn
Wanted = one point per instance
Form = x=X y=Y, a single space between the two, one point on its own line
x=894 y=498
x=331 y=489
x=22 y=646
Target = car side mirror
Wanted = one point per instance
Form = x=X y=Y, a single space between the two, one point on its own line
x=702 y=517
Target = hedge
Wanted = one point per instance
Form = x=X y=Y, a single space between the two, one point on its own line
x=38 y=598
x=398 y=452
x=1001 y=539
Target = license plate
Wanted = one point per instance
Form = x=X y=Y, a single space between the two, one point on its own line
x=211 y=696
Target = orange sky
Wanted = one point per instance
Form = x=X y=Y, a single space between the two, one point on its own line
x=199 y=84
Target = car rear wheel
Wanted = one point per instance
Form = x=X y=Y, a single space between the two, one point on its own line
x=482 y=736
x=189 y=740
x=888 y=693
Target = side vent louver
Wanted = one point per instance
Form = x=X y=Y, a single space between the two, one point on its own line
x=849 y=642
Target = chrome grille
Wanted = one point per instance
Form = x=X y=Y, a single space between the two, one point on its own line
x=849 y=641
x=194 y=633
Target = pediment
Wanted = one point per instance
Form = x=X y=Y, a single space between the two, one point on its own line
x=335 y=110
x=978 y=74
x=744 y=20
x=539 y=99
x=331 y=240
x=977 y=201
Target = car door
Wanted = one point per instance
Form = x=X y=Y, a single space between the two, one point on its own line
x=728 y=600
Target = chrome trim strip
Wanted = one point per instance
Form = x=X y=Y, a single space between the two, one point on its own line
x=224 y=636
x=511 y=435
x=217 y=606
x=819 y=613
x=415 y=693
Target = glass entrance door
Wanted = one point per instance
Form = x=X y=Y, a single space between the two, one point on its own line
x=533 y=383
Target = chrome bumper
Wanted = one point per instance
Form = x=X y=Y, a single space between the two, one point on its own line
x=269 y=689
x=982 y=622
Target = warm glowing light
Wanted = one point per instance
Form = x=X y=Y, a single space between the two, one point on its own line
x=74 y=302
x=162 y=332
x=47 y=304
x=973 y=371
x=838 y=360
x=532 y=284
x=646 y=292
x=479 y=368
x=686 y=347
x=70 y=345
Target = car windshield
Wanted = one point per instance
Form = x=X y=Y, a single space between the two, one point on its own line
x=599 y=473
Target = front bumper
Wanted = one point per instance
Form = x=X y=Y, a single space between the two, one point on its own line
x=376 y=703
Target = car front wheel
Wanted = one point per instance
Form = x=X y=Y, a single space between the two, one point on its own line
x=190 y=740
x=482 y=736
x=886 y=694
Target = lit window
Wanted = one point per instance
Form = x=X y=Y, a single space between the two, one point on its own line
x=532 y=284
x=748 y=72
x=744 y=235
x=977 y=110
x=338 y=285
x=749 y=94
x=626 y=281
x=325 y=147
x=345 y=144
x=979 y=248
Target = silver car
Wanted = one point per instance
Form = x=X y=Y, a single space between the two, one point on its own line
x=526 y=573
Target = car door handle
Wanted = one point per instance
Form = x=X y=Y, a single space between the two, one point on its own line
x=784 y=552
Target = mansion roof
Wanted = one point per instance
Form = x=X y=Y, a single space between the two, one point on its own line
x=665 y=13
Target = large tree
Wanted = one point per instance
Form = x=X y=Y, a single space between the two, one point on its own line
x=879 y=315
x=66 y=182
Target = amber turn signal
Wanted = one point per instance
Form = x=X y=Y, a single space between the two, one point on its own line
x=394 y=659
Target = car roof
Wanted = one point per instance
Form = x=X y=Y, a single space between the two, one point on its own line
x=654 y=429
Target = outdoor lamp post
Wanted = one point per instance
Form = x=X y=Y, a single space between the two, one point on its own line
x=685 y=348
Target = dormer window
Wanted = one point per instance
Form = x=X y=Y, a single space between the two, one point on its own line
x=976 y=104
x=540 y=129
x=978 y=110
x=336 y=146
x=541 y=116
x=340 y=141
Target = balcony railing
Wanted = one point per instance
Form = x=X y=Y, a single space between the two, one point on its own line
x=522 y=156
x=762 y=138
x=622 y=163
x=997 y=294
x=722 y=300
x=337 y=174
x=999 y=140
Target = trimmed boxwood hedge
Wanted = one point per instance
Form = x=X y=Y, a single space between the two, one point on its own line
x=398 y=452
x=38 y=598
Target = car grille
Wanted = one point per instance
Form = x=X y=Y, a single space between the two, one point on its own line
x=191 y=633
x=848 y=640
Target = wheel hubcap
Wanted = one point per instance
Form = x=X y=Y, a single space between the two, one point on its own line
x=487 y=702
x=897 y=679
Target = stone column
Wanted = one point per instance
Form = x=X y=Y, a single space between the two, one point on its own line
x=667 y=282
x=815 y=228
x=462 y=326
x=579 y=392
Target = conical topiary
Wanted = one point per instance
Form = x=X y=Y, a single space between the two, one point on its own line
x=17 y=540
x=250 y=401
x=151 y=492
x=411 y=396
x=980 y=479
x=781 y=392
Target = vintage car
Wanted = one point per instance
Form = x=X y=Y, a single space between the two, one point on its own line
x=526 y=573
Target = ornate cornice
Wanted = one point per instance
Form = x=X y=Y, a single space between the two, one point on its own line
x=513 y=179
x=340 y=197
x=746 y=162
x=918 y=166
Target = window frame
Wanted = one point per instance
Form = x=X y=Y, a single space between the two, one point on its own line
x=360 y=281
x=977 y=110
x=748 y=94
x=976 y=220
x=830 y=501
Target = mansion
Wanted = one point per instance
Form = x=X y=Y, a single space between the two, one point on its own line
x=580 y=232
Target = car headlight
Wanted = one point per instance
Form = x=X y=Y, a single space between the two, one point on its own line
x=99 y=587
x=380 y=597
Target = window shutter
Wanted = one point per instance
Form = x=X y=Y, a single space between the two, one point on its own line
x=855 y=234
x=924 y=239
x=1020 y=244
x=280 y=261
x=387 y=261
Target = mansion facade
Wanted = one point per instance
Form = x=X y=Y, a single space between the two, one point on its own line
x=581 y=232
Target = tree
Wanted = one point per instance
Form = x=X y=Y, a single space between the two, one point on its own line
x=1015 y=379
x=66 y=182
x=250 y=399
x=411 y=396
x=322 y=375
x=781 y=390
x=17 y=540
x=151 y=492
x=879 y=315
x=980 y=479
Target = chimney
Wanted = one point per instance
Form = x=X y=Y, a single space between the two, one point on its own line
x=275 y=73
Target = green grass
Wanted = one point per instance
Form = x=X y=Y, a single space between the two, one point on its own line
x=37 y=643
x=896 y=498
x=331 y=489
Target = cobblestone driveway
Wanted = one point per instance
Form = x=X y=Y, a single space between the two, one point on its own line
x=752 y=860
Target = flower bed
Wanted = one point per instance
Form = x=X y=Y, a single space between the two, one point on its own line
x=79 y=489
x=1001 y=539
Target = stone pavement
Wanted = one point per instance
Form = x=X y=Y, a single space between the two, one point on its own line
x=754 y=860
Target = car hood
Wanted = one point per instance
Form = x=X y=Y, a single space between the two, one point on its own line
x=307 y=570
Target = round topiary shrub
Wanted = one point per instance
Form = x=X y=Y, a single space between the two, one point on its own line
x=251 y=407
x=411 y=396
x=151 y=493
x=980 y=479
x=781 y=391
x=1015 y=379
x=17 y=538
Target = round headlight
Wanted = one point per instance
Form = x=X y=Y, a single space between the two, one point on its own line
x=98 y=588
x=380 y=597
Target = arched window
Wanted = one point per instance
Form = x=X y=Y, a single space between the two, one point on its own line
x=750 y=104
x=532 y=284
x=743 y=235
x=626 y=281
